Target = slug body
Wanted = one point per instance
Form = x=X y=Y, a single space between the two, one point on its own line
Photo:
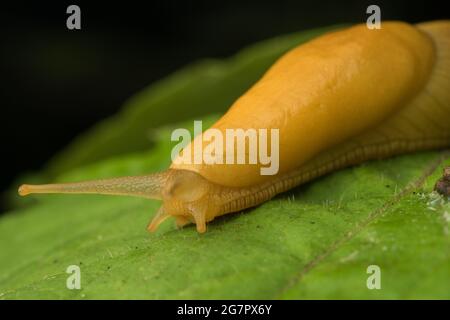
x=339 y=100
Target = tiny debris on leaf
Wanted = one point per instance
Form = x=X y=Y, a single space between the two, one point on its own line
x=442 y=186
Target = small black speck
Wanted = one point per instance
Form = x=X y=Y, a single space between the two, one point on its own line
x=81 y=263
x=258 y=226
x=108 y=267
x=136 y=247
x=312 y=222
x=387 y=186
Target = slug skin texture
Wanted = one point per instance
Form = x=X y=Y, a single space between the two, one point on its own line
x=338 y=88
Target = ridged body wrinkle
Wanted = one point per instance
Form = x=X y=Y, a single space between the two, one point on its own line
x=342 y=99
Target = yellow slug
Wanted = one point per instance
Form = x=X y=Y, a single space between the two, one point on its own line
x=338 y=100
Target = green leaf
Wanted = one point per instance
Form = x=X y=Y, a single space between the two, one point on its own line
x=206 y=87
x=313 y=242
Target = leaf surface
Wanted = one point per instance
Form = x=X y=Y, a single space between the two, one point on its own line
x=313 y=242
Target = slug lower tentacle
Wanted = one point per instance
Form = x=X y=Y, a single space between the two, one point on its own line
x=339 y=100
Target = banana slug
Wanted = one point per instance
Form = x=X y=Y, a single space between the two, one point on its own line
x=341 y=99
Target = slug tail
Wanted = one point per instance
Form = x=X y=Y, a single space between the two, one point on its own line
x=148 y=186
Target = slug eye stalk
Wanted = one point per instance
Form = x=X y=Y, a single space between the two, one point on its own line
x=148 y=186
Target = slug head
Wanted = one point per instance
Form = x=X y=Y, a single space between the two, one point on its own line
x=185 y=196
x=184 y=185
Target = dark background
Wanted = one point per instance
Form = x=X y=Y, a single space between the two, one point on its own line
x=57 y=83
